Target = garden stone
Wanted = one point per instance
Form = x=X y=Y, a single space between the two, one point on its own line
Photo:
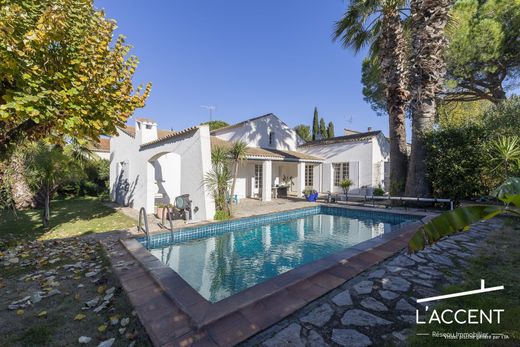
x=350 y=338
x=425 y=292
x=377 y=274
x=396 y=284
x=402 y=261
x=422 y=282
x=403 y=305
x=364 y=287
x=315 y=340
x=362 y=318
x=418 y=259
x=402 y=335
x=107 y=343
x=342 y=299
x=53 y=292
x=394 y=269
x=410 y=319
x=429 y=270
x=441 y=259
x=319 y=316
x=373 y=305
x=388 y=295
x=84 y=339
x=289 y=337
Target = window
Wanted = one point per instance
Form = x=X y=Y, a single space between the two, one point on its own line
x=258 y=176
x=271 y=138
x=309 y=175
x=341 y=172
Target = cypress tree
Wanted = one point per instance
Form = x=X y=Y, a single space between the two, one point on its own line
x=330 y=130
x=323 y=129
x=315 y=126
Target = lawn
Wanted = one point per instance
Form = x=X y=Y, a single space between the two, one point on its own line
x=498 y=264
x=55 y=288
x=69 y=217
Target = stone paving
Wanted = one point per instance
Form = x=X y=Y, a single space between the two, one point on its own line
x=378 y=306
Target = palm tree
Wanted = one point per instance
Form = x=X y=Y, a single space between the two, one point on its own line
x=238 y=154
x=505 y=154
x=378 y=23
x=48 y=167
x=429 y=19
x=217 y=180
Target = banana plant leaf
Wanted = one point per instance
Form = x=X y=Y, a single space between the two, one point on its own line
x=451 y=222
x=461 y=219
x=510 y=187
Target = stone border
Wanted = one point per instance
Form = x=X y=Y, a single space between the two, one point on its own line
x=156 y=290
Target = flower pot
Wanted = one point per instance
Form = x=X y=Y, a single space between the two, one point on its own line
x=312 y=197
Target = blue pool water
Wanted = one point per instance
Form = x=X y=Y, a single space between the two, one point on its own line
x=222 y=259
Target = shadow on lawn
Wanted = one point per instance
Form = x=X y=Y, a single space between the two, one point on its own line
x=69 y=217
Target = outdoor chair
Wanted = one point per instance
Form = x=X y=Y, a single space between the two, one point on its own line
x=233 y=199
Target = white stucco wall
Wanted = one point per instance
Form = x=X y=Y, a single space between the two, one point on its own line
x=359 y=155
x=192 y=152
x=255 y=133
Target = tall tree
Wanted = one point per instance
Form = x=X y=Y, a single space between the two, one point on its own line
x=61 y=74
x=483 y=59
x=330 y=130
x=378 y=24
x=304 y=131
x=315 y=125
x=323 y=129
x=429 y=19
x=215 y=124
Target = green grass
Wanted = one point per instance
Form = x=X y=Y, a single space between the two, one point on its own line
x=498 y=264
x=69 y=217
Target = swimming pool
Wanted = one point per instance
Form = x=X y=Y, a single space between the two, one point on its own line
x=222 y=259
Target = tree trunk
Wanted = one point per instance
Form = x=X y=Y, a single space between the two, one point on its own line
x=22 y=195
x=47 y=208
x=393 y=66
x=235 y=175
x=429 y=19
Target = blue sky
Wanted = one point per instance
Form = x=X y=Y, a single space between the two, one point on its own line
x=247 y=58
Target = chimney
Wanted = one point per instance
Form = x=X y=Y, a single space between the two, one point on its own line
x=369 y=129
x=145 y=130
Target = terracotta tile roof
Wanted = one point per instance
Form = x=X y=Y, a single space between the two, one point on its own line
x=340 y=139
x=103 y=145
x=130 y=131
x=268 y=153
x=170 y=134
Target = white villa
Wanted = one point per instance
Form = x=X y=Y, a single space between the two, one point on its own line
x=148 y=165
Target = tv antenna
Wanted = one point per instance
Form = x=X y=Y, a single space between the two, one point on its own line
x=349 y=121
x=211 y=109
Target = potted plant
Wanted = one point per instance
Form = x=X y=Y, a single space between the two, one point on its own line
x=310 y=194
x=345 y=185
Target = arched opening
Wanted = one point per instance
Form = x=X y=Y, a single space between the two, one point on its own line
x=164 y=179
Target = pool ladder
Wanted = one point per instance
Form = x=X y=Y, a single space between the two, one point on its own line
x=167 y=212
x=143 y=224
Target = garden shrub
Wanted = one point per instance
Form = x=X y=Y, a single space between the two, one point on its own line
x=458 y=164
x=221 y=215
x=94 y=182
